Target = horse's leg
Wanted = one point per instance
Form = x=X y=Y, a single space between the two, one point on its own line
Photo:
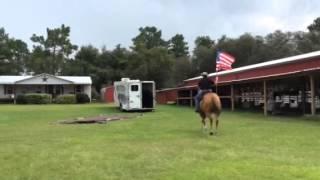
x=213 y=117
x=204 y=126
x=217 y=123
x=211 y=124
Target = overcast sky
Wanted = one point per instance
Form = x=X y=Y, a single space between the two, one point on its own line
x=111 y=22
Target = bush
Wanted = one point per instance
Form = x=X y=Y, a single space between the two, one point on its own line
x=95 y=95
x=6 y=101
x=66 y=99
x=82 y=98
x=21 y=99
x=38 y=98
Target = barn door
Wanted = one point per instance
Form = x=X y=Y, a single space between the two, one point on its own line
x=135 y=96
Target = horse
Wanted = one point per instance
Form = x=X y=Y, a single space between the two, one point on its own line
x=210 y=107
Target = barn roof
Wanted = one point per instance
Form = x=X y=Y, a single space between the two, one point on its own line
x=72 y=79
x=271 y=63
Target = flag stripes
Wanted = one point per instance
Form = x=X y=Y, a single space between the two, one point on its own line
x=224 y=61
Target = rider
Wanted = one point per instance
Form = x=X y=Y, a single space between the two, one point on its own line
x=205 y=85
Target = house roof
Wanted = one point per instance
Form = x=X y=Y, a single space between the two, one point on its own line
x=72 y=79
x=264 y=64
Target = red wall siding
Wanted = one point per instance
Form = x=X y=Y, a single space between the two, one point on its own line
x=165 y=96
x=109 y=94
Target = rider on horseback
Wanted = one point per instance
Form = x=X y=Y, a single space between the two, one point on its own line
x=205 y=85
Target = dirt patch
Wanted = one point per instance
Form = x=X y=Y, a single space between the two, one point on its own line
x=102 y=119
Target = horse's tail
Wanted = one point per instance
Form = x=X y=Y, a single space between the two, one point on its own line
x=216 y=104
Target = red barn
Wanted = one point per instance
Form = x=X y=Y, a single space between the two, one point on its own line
x=282 y=85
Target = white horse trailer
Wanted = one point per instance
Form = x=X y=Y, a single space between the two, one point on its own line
x=132 y=95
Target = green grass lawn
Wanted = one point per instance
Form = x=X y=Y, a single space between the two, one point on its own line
x=165 y=144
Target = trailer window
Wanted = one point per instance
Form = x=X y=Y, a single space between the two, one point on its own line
x=134 y=88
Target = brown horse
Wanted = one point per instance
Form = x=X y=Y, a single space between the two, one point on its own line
x=210 y=107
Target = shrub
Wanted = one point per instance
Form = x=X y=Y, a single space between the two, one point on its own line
x=66 y=99
x=21 y=99
x=82 y=98
x=6 y=101
x=95 y=95
x=38 y=98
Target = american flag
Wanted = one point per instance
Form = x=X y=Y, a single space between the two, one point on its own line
x=224 y=61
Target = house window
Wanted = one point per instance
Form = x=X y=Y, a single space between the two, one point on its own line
x=8 y=89
x=78 y=89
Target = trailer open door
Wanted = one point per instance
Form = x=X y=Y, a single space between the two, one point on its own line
x=148 y=95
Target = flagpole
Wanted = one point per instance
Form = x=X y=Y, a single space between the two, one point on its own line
x=216 y=79
x=216 y=88
x=216 y=82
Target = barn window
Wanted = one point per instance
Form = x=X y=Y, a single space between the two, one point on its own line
x=134 y=88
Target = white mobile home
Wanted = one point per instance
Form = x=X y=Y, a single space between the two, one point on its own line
x=134 y=94
x=11 y=86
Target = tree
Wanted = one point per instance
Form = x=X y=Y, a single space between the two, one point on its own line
x=280 y=44
x=242 y=48
x=85 y=62
x=246 y=49
x=182 y=69
x=204 y=41
x=149 y=37
x=203 y=55
x=307 y=42
x=178 y=46
x=315 y=26
x=203 y=60
x=13 y=53
x=51 y=52
x=104 y=67
x=150 y=59
x=152 y=64
x=113 y=64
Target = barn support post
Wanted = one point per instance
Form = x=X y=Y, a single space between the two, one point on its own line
x=265 y=98
x=191 y=98
x=232 y=97
x=313 y=106
x=177 y=98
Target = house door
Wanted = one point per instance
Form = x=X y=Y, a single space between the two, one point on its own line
x=135 y=96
